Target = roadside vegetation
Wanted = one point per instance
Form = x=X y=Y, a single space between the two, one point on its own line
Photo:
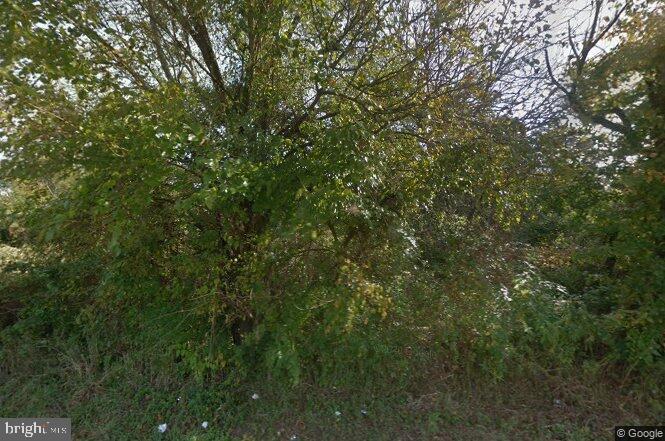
x=333 y=219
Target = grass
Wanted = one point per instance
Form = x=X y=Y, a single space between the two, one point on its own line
x=129 y=397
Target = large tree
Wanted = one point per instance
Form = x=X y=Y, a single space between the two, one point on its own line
x=258 y=159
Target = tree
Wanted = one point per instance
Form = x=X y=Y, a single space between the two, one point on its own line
x=618 y=239
x=255 y=161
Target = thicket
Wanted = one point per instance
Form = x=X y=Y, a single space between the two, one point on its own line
x=306 y=190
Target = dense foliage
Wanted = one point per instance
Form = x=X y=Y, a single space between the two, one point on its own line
x=304 y=188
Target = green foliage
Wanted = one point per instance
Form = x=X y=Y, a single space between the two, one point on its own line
x=299 y=190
